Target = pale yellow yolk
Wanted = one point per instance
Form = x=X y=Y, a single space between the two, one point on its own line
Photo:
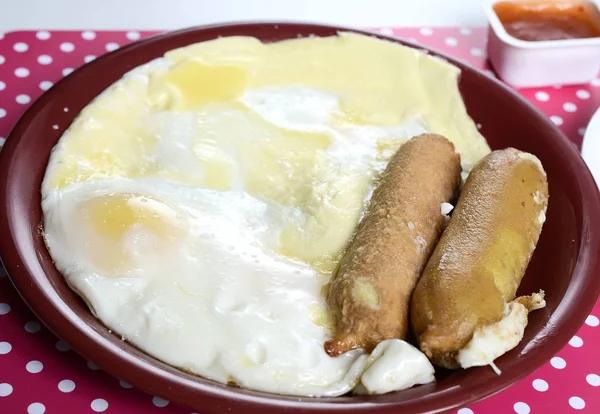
x=193 y=84
x=109 y=220
x=113 y=215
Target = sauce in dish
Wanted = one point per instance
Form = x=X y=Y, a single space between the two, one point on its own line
x=201 y=203
x=539 y=21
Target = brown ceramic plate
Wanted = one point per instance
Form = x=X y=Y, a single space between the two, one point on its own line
x=566 y=263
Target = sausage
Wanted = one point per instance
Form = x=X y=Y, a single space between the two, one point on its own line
x=477 y=266
x=369 y=294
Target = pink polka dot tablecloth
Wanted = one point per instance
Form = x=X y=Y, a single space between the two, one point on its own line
x=39 y=373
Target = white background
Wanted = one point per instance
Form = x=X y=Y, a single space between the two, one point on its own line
x=172 y=14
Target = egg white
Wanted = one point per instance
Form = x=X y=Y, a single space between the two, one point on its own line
x=218 y=303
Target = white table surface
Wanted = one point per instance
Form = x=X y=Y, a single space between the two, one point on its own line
x=173 y=14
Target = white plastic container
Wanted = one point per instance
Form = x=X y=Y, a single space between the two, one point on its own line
x=525 y=64
x=590 y=149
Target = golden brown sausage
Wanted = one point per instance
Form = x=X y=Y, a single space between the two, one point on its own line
x=370 y=294
x=481 y=258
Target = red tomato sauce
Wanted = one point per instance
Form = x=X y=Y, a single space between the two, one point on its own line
x=538 y=21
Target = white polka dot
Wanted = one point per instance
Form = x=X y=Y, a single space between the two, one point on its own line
x=2 y=86
x=159 y=402
x=93 y=366
x=2 y=115
x=89 y=58
x=591 y=320
x=465 y=411
x=67 y=47
x=66 y=109
x=558 y=363
x=133 y=35
x=576 y=342
x=386 y=31
x=451 y=41
x=577 y=403
x=33 y=326
x=21 y=47
x=583 y=94
x=21 y=72
x=43 y=35
x=558 y=121
x=593 y=380
x=61 y=345
x=55 y=127
x=5 y=389
x=540 y=385
x=23 y=99
x=2 y=141
x=34 y=367
x=521 y=408
x=2 y=59
x=36 y=408
x=125 y=384
x=4 y=307
x=111 y=46
x=595 y=82
x=581 y=131
x=476 y=51
x=426 y=31
x=67 y=71
x=542 y=96
x=45 y=85
x=570 y=107
x=5 y=348
x=99 y=405
x=412 y=39
x=490 y=73
x=66 y=385
x=88 y=35
x=44 y=59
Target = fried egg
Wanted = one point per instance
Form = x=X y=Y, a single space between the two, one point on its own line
x=200 y=204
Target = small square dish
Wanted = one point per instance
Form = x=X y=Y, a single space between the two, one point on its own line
x=535 y=43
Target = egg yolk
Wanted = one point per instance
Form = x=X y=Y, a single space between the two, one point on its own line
x=122 y=227
x=193 y=83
